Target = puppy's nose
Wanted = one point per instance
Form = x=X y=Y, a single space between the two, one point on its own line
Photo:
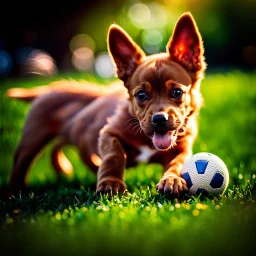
x=160 y=119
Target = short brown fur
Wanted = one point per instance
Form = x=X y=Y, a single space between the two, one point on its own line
x=112 y=125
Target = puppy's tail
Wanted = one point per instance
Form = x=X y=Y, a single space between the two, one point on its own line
x=27 y=94
x=77 y=87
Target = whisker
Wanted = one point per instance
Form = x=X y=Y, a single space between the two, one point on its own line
x=134 y=128
x=131 y=123
x=131 y=120
x=141 y=131
x=137 y=130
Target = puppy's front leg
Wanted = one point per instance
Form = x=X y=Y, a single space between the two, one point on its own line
x=111 y=172
x=172 y=183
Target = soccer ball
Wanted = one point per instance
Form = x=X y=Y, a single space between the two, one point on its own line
x=205 y=173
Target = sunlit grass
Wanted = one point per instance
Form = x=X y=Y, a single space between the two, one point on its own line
x=67 y=217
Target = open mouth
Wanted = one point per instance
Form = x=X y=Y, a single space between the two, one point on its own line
x=164 y=141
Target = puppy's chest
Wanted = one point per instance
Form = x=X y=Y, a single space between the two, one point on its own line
x=142 y=154
x=145 y=154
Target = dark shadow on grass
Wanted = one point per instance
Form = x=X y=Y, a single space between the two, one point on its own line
x=61 y=184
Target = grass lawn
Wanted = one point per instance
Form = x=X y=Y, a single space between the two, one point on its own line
x=67 y=218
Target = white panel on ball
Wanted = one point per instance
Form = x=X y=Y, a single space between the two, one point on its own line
x=207 y=173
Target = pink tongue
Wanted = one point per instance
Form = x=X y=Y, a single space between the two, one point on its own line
x=162 y=140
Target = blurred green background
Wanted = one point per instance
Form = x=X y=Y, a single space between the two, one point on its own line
x=48 y=37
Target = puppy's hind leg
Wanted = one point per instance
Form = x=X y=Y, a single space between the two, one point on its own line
x=60 y=162
x=34 y=138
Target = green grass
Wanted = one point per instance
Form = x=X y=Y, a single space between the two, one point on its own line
x=66 y=217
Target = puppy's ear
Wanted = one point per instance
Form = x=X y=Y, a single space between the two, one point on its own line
x=186 y=46
x=126 y=54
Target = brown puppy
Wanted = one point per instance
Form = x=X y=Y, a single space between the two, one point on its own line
x=151 y=118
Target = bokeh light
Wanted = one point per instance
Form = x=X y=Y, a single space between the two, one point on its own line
x=150 y=15
x=6 y=63
x=83 y=58
x=40 y=63
x=104 y=65
x=158 y=15
x=139 y=15
x=81 y=41
x=77 y=39
x=152 y=40
x=82 y=47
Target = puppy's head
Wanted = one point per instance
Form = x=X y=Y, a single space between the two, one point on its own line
x=163 y=88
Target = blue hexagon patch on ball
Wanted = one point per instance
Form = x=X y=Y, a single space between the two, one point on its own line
x=187 y=178
x=217 y=180
x=201 y=166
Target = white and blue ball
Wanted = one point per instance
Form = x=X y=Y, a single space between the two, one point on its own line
x=205 y=173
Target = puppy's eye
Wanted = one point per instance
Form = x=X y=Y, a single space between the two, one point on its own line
x=176 y=93
x=141 y=96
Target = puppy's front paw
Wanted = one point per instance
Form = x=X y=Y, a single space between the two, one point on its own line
x=111 y=185
x=172 y=184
